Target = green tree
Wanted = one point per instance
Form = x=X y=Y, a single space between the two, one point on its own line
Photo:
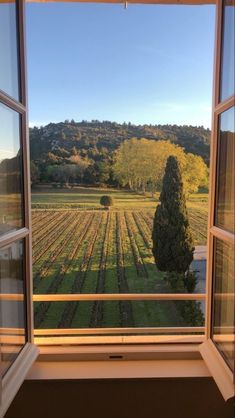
x=172 y=240
x=106 y=201
x=103 y=171
x=35 y=174
x=79 y=166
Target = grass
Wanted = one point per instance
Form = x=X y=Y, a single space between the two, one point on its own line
x=68 y=249
x=89 y=198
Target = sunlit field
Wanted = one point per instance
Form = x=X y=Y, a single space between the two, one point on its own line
x=79 y=247
x=46 y=197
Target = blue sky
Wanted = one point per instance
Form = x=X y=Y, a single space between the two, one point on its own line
x=146 y=64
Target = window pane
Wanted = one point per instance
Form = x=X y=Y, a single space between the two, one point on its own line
x=225 y=180
x=223 y=326
x=11 y=199
x=228 y=45
x=9 y=82
x=12 y=312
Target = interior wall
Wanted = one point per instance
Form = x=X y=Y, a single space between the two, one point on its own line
x=137 y=398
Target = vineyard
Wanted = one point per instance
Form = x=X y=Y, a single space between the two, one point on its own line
x=98 y=251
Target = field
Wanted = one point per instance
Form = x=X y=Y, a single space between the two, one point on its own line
x=80 y=248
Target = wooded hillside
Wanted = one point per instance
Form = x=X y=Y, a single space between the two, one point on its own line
x=92 y=147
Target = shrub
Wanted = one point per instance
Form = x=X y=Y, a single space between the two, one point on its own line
x=175 y=281
x=106 y=201
x=191 y=313
x=182 y=282
x=190 y=281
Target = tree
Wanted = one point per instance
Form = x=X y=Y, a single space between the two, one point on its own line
x=195 y=173
x=51 y=158
x=106 y=201
x=81 y=165
x=172 y=240
x=103 y=172
x=140 y=165
x=63 y=174
x=35 y=174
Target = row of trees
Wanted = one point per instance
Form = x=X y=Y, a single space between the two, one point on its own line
x=140 y=165
x=82 y=171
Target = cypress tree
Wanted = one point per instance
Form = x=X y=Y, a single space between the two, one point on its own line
x=172 y=240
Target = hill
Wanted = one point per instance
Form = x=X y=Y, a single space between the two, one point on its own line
x=84 y=152
x=92 y=137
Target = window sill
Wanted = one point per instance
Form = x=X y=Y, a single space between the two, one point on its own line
x=152 y=361
x=117 y=362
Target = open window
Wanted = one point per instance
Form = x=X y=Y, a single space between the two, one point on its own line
x=17 y=349
x=16 y=337
x=95 y=277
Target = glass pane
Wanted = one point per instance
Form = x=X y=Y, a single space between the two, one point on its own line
x=228 y=45
x=9 y=81
x=225 y=180
x=224 y=302
x=12 y=311
x=11 y=199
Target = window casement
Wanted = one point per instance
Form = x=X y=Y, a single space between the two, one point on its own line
x=16 y=330
x=218 y=349
x=18 y=351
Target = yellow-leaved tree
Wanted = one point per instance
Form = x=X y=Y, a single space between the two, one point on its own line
x=140 y=165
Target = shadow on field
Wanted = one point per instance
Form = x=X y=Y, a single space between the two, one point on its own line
x=92 y=314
